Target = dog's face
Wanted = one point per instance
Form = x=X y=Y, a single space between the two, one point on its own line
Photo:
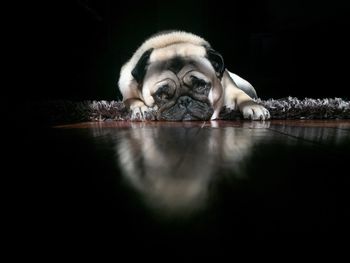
x=181 y=87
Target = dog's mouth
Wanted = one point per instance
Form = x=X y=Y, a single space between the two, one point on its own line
x=186 y=109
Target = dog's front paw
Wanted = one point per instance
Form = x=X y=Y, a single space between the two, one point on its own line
x=142 y=113
x=253 y=111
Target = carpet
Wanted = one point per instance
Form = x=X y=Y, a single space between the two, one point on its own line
x=284 y=108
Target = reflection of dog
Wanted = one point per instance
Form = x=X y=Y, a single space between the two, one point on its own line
x=183 y=78
x=173 y=177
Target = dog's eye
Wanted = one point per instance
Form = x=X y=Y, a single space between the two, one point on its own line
x=197 y=81
x=164 y=92
x=200 y=86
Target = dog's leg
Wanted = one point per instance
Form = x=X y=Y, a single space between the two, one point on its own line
x=236 y=98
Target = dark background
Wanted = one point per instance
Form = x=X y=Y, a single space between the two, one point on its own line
x=74 y=49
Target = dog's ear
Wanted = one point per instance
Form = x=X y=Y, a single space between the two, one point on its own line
x=217 y=61
x=140 y=68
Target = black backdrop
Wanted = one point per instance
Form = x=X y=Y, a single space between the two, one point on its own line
x=74 y=49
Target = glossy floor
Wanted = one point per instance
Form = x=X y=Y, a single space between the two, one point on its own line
x=188 y=184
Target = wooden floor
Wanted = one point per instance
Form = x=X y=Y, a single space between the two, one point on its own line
x=198 y=185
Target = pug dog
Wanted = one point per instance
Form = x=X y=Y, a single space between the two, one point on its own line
x=178 y=76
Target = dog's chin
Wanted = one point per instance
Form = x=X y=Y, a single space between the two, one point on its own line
x=201 y=112
x=189 y=117
x=184 y=117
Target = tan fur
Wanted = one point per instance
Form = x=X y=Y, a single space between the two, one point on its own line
x=168 y=39
x=178 y=49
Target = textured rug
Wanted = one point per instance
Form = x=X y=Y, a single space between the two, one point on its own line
x=285 y=108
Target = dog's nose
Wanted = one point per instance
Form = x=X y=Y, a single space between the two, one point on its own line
x=185 y=101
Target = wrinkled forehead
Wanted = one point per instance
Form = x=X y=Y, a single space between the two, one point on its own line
x=179 y=66
x=177 y=49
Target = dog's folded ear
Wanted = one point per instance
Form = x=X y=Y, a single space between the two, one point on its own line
x=217 y=61
x=140 y=68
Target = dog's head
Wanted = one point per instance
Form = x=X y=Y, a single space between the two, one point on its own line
x=182 y=80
